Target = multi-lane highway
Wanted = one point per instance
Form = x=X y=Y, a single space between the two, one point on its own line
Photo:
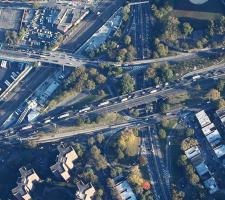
x=112 y=105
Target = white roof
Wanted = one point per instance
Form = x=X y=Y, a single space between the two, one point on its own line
x=201 y=169
x=203 y=118
x=211 y=185
x=220 y=151
x=213 y=136
x=208 y=129
x=192 y=152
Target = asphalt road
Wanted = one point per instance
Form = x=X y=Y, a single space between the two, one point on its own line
x=22 y=91
x=91 y=24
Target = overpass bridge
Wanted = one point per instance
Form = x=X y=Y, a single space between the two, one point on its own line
x=70 y=60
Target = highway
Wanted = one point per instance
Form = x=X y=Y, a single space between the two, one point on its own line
x=114 y=104
x=67 y=59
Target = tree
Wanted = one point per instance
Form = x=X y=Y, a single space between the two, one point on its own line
x=143 y=160
x=182 y=160
x=100 y=138
x=127 y=40
x=177 y=195
x=98 y=159
x=190 y=132
x=135 y=176
x=220 y=85
x=120 y=154
x=187 y=29
x=213 y=94
x=100 y=79
x=90 y=85
x=220 y=103
x=162 y=134
x=91 y=141
x=128 y=142
x=127 y=84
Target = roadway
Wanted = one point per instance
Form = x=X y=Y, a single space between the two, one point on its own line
x=67 y=59
x=156 y=165
x=24 y=89
x=115 y=104
x=91 y=24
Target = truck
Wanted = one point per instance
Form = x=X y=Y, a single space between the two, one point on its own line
x=124 y=99
x=85 y=109
x=47 y=121
x=63 y=116
x=196 y=77
x=26 y=127
x=153 y=91
x=103 y=103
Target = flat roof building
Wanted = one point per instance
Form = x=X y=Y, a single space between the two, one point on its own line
x=25 y=184
x=211 y=185
x=203 y=118
x=65 y=162
x=208 y=129
x=85 y=191
x=214 y=138
x=220 y=151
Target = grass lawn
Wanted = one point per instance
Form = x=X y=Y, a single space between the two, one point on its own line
x=196 y=15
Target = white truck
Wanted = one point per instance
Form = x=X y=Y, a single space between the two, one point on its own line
x=153 y=91
x=63 y=116
x=103 y=103
x=26 y=127
x=124 y=99
x=47 y=121
x=196 y=77
x=85 y=109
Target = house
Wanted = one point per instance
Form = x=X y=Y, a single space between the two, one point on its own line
x=25 y=184
x=65 y=162
x=123 y=189
x=85 y=191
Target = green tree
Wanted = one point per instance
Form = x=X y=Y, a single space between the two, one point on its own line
x=213 y=94
x=127 y=40
x=187 y=29
x=127 y=84
x=162 y=134
x=190 y=132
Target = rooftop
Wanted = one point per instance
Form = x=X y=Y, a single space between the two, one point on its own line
x=220 y=151
x=214 y=136
x=192 y=152
x=211 y=185
x=202 y=169
x=65 y=160
x=85 y=191
x=25 y=183
x=203 y=118
x=208 y=129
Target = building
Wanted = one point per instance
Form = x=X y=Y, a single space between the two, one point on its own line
x=123 y=189
x=203 y=118
x=211 y=133
x=194 y=155
x=65 y=162
x=85 y=191
x=25 y=184
x=211 y=185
